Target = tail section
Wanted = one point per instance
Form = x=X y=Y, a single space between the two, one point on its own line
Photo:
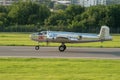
x=105 y=33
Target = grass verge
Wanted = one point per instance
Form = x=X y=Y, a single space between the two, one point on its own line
x=58 y=69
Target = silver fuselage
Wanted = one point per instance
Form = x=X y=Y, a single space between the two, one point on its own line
x=67 y=37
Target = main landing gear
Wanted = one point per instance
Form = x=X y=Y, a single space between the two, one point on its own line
x=62 y=47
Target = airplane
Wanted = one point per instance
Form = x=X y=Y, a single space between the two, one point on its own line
x=70 y=37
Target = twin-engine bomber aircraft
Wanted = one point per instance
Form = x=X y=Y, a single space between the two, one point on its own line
x=70 y=37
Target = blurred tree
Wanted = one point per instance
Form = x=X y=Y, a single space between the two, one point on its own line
x=28 y=13
x=60 y=6
x=73 y=10
x=57 y=19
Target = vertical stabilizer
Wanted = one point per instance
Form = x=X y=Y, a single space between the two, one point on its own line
x=105 y=33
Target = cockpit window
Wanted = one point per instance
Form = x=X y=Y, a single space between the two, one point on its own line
x=40 y=33
x=44 y=32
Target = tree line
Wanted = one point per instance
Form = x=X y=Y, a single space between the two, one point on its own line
x=30 y=16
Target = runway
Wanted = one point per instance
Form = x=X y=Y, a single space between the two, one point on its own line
x=53 y=52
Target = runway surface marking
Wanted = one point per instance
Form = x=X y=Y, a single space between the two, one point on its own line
x=53 y=52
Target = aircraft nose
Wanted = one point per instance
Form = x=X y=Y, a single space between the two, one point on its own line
x=38 y=37
x=31 y=36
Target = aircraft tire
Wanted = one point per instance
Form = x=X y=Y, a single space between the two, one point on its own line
x=62 y=48
x=37 y=47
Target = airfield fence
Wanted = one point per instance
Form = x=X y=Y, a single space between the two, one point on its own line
x=33 y=28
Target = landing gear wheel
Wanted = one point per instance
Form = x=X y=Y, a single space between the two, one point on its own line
x=62 y=48
x=37 y=47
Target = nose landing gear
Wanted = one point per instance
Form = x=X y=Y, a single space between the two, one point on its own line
x=37 y=47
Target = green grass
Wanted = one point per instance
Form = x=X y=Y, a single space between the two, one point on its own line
x=58 y=69
x=22 y=39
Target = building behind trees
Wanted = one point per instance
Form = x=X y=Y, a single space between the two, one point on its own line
x=85 y=3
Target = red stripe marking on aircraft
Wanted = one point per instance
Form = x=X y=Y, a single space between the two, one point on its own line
x=41 y=37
